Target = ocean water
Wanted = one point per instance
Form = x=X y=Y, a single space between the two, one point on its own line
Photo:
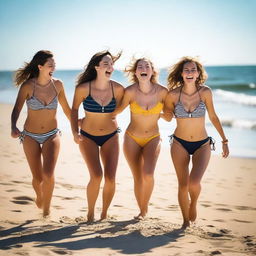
x=234 y=91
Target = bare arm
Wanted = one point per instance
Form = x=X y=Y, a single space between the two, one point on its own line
x=77 y=100
x=124 y=103
x=215 y=121
x=63 y=102
x=22 y=95
x=167 y=114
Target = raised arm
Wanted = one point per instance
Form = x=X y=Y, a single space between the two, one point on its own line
x=215 y=120
x=21 y=97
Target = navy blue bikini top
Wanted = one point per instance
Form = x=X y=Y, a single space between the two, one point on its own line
x=180 y=111
x=92 y=105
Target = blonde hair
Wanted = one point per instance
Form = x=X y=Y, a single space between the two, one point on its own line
x=175 y=79
x=131 y=69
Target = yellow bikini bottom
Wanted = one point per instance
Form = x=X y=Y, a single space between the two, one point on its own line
x=140 y=140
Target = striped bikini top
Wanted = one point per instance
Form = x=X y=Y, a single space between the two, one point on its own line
x=180 y=112
x=35 y=104
x=92 y=105
x=137 y=109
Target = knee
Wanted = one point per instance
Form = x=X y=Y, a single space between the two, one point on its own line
x=96 y=178
x=48 y=177
x=183 y=186
x=37 y=179
x=148 y=178
x=194 y=185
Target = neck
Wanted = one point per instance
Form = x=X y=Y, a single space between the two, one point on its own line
x=101 y=82
x=43 y=81
x=145 y=86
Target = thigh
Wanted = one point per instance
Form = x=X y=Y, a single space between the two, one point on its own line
x=180 y=158
x=90 y=152
x=133 y=154
x=200 y=160
x=150 y=155
x=109 y=154
x=50 y=152
x=32 y=151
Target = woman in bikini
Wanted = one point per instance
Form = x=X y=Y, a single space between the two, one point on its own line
x=187 y=100
x=98 y=137
x=142 y=139
x=40 y=137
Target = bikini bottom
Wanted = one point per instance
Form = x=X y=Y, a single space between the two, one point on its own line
x=141 y=141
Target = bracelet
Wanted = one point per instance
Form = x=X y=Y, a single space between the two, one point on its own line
x=225 y=141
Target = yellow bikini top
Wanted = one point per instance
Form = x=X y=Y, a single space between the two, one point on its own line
x=137 y=109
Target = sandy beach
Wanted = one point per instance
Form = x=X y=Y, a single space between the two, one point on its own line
x=226 y=223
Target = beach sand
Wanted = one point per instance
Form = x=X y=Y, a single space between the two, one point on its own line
x=226 y=223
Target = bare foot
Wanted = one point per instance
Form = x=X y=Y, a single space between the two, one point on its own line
x=140 y=216
x=90 y=218
x=185 y=225
x=192 y=212
x=103 y=216
x=46 y=213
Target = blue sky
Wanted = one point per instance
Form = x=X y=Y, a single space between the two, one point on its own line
x=221 y=32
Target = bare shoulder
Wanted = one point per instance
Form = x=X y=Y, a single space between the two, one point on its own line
x=117 y=86
x=84 y=87
x=162 y=88
x=205 y=91
x=28 y=86
x=58 y=84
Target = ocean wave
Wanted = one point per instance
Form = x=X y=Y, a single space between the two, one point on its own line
x=240 y=123
x=240 y=98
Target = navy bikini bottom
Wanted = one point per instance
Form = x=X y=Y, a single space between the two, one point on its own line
x=99 y=140
x=192 y=146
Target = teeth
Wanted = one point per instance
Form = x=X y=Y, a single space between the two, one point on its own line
x=143 y=74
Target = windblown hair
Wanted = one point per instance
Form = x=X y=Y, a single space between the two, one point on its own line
x=30 y=70
x=131 y=69
x=175 y=79
x=90 y=72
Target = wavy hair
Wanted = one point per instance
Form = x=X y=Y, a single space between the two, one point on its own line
x=30 y=69
x=131 y=69
x=90 y=72
x=175 y=79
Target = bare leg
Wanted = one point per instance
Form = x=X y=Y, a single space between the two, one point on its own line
x=32 y=151
x=150 y=155
x=133 y=154
x=90 y=153
x=50 y=152
x=180 y=158
x=109 y=155
x=200 y=162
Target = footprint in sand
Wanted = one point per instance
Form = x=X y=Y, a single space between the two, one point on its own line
x=224 y=209
x=22 y=200
x=242 y=221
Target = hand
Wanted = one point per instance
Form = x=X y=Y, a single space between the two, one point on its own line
x=80 y=121
x=225 y=150
x=15 y=133
x=77 y=138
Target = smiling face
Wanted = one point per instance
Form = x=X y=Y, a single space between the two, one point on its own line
x=105 y=67
x=143 y=70
x=48 y=68
x=189 y=72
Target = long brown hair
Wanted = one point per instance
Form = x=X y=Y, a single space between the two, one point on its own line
x=175 y=79
x=90 y=72
x=30 y=69
x=131 y=69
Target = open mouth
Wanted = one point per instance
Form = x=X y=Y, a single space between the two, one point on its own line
x=51 y=73
x=108 y=73
x=189 y=77
x=143 y=74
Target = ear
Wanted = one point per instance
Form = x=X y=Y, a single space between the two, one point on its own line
x=96 y=67
x=39 y=67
